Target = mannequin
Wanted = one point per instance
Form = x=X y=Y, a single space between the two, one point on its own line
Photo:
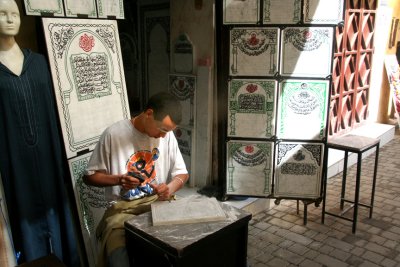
x=10 y=54
x=31 y=158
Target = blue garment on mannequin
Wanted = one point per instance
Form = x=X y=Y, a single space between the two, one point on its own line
x=31 y=164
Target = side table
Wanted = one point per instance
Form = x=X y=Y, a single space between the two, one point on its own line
x=211 y=244
x=359 y=145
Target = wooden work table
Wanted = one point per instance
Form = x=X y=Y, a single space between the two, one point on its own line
x=222 y=243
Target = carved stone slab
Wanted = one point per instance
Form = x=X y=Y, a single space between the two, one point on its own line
x=88 y=77
x=254 y=51
x=323 y=11
x=306 y=51
x=190 y=209
x=107 y=8
x=183 y=54
x=184 y=88
x=298 y=170
x=249 y=168
x=90 y=203
x=302 y=109
x=241 y=11
x=38 y=7
x=184 y=136
x=282 y=11
x=251 y=108
x=74 y=8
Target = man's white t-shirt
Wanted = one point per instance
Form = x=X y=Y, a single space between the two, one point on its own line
x=122 y=147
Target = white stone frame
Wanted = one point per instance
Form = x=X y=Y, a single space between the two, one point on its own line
x=38 y=7
x=89 y=97
x=110 y=8
x=298 y=170
x=90 y=203
x=249 y=168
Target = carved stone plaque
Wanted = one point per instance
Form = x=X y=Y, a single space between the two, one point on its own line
x=191 y=209
x=306 y=52
x=74 y=8
x=90 y=203
x=251 y=108
x=183 y=54
x=183 y=87
x=323 y=11
x=254 y=51
x=184 y=137
x=106 y=8
x=39 y=7
x=298 y=170
x=302 y=109
x=241 y=11
x=249 y=168
x=282 y=11
x=88 y=78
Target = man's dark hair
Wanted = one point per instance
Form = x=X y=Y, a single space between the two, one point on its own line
x=164 y=104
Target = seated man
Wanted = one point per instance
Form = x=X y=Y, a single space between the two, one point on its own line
x=139 y=162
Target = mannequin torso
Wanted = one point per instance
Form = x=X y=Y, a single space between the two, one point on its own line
x=13 y=59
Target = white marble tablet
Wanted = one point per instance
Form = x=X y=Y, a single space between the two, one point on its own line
x=114 y=8
x=241 y=11
x=253 y=51
x=323 y=11
x=88 y=77
x=251 y=108
x=184 y=137
x=74 y=8
x=191 y=209
x=184 y=88
x=38 y=7
x=90 y=203
x=302 y=109
x=298 y=170
x=306 y=51
x=183 y=54
x=249 y=168
x=282 y=11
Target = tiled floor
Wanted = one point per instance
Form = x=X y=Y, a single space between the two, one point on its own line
x=278 y=237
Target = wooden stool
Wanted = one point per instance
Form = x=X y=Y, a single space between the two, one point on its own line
x=359 y=145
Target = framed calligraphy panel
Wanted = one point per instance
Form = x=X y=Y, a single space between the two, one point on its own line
x=241 y=12
x=306 y=51
x=184 y=87
x=91 y=204
x=88 y=77
x=74 y=8
x=184 y=136
x=282 y=11
x=298 y=170
x=110 y=8
x=323 y=11
x=253 y=51
x=251 y=108
x=302 y=109
x=249 y=168
x=38 y=7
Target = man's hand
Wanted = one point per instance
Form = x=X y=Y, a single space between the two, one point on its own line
x=162 y=190
x=129 y=182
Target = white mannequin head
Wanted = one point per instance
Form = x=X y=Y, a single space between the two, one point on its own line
x=9 y=18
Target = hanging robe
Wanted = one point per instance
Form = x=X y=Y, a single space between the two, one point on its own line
x=31 y=164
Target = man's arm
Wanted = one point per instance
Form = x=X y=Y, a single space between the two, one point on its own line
x=166 y=191
x=101 y=179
